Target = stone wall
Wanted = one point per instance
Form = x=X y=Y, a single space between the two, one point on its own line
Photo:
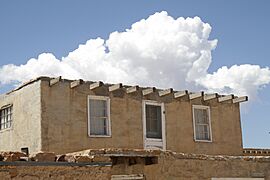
x=171 y=165
x=256 y=152
x=65 y=121
x=196 y=167
x=150 y=164
x=47 y=165
x=54 y=172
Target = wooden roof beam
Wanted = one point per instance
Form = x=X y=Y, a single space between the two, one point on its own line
x=196 y=95
x=55 y=80
x=240 y=99
x=179 y=94
x=132 y=89
x=208 y=97
x=95 y=85
x=165 y=92
x=115 y=87
x=148 y=91
x=76 y=83
x=226 y=98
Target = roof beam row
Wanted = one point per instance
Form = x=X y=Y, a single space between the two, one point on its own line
x=161 y=93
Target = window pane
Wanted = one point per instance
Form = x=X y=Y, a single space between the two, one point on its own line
x=5 y=117
x=202 y=132
x=98 y=117
x=98 y=126
x=202 y=128
x=153 y=122
x=201 y=116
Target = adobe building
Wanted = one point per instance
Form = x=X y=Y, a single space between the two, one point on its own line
x=62 y=116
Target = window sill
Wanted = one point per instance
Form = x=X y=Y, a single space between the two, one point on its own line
x=100 y=136
x=203 y=141
x=154 y=139
x=7 y=129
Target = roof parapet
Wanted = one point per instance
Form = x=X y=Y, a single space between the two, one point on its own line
x=144 y=91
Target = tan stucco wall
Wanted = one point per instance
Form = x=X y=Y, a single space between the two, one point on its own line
x=225 y=125
x=26 y=119
x=64 y=121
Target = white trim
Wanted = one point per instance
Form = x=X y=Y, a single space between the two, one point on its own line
x=151 y=141
x=194 y=124
x=107 y=99
x=6 y=106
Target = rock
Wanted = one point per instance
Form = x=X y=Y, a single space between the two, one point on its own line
x=1 y=157
x=43 y=157
x=60 y=158
x=83 y=159
x=65 y=158
x=96 y=151
x=12 y=156
x=24 y=158
x=101 y=159
x=70 y=158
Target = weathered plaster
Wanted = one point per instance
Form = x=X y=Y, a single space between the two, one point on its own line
x=25 y=130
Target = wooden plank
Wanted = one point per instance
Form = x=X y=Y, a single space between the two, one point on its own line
x=207 y=97
x=148 y=91
x=55 y=80
x=76 y=83
x=195 y=95
x=115 y=87
x=180 y=94
x=95 y=85
x=225 y=98
x=132 y=89
x=165 y=92
x=240 y=99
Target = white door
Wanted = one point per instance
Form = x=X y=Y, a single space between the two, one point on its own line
x=154 y=125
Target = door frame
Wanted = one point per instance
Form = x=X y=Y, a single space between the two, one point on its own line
x=152 y=143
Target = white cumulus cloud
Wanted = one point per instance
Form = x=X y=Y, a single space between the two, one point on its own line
x=158 y=51
x=243 y=79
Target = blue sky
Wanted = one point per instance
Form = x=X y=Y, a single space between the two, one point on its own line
x=241 y=27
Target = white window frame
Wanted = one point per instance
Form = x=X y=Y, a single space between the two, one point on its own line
x=152 y=141
x=104 y=98
x=194 y=123
x=11 y=116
